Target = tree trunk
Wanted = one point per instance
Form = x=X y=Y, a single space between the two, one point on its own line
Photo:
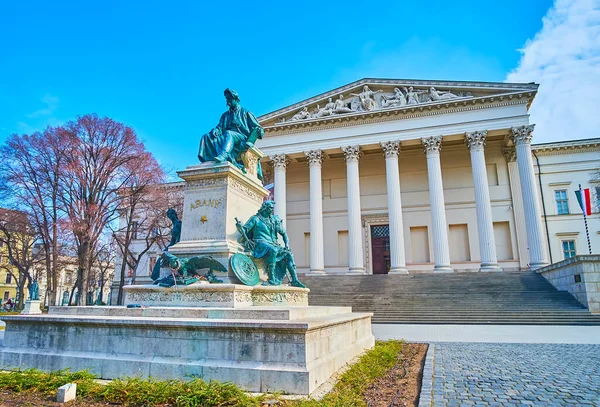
x=83 y=272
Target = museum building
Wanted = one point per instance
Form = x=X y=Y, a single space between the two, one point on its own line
x=395 y=176
x=408 y=176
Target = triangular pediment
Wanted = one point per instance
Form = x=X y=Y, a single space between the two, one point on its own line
x=380 y=96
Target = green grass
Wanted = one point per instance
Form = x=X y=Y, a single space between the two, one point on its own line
x=135 y=392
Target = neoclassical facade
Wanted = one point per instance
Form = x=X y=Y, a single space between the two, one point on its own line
x=420 y=177
x=411 y=176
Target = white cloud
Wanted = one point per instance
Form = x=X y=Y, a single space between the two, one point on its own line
x=51 y=103
x=564 y=58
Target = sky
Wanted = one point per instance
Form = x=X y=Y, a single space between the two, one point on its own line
x=161 y=67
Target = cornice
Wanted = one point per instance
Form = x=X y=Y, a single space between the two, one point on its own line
x=401 y=113
x=567 y=147
x=524 y=87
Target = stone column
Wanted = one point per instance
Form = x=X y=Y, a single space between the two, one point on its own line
x=355 y=241
x=441 y=248
x=521 y=136
x=397 y=257
x=279 y=166
x=483 y=208
x=317 y=257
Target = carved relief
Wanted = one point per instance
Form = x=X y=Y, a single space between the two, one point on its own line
x=315 y=157
x=522 y=134
x=246 y=190
x=432 y=144
x=391 y=149
x=370 y=100
x=291 y=298
x=207 y=182
x=250 y=160
x=476 y=139
x=351 y=153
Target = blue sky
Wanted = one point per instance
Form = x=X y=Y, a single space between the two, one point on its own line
x=161 y=67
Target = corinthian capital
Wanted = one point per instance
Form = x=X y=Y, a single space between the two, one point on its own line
x=351 y=153
x=432 y=144
x=280 y=161
x=522 y=134
x=510 y=154
x=315 y=157
x=476 y=139
x=391 y=149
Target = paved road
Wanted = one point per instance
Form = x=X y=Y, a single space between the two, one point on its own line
x=511 y=375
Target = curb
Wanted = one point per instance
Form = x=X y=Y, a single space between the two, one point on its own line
x=426 y=395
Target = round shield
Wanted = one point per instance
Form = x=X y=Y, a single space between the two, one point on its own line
x=245 y=269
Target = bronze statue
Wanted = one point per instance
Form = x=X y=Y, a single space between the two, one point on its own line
x=236 y=132
x=34 y=291
x=176 y=230
x=186 y=271
x=259 y=235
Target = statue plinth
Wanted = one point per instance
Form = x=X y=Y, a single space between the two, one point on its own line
x=32 y=307
x=214 y=195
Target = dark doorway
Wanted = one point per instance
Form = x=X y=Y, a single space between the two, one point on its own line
x=380 y=247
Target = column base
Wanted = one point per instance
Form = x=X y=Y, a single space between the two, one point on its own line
x=316 y=273
x=443 y=269
x=398 y=270
x=491 y=268
x=360 y=271
x=535 y=266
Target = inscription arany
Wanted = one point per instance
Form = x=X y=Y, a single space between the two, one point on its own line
x=213 y=203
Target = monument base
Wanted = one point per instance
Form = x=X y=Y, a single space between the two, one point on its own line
x=32 y=307
x=215 y=194
x=293 y=349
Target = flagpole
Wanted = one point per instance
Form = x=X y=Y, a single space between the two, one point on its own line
x=587 y=233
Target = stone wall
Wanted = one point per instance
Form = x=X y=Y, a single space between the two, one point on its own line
x=580 y=276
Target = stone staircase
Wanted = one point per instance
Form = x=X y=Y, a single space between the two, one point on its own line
x=523 y=298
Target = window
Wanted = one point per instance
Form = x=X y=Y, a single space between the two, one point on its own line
x=597 y=201
x=562 y=202
x=68 y=278
x=134 y=229
x=6 y=295
x=8 y=278
x=569 y=249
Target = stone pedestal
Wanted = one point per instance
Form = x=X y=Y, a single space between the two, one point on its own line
x=214 y=195
x=293 y=349
x=32 y=307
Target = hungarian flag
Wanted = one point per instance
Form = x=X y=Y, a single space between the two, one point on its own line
x=585 y=201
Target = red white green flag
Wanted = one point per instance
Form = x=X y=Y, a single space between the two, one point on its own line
x=585 y=201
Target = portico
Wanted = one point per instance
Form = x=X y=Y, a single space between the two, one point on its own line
x=432 y=176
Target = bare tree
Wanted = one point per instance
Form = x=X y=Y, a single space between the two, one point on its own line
x=143 y=224
x=19 y=237
x=30 y=171
x=105 y=157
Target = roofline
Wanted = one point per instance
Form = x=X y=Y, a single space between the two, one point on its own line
x=558 y=144
x=530 y=86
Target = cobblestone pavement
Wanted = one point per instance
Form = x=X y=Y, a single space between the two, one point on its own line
x=523 y=375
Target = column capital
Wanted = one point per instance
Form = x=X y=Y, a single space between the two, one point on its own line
x=522 y=134
x=432 y=144
x=351 y=153
x=391 y=149
x=315 y=157
x=280 y=161
x=510 y=154
x=475 y=140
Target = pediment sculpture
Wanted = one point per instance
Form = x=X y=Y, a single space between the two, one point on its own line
x=368 y=100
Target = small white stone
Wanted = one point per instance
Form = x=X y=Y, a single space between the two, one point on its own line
x=66 y=393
